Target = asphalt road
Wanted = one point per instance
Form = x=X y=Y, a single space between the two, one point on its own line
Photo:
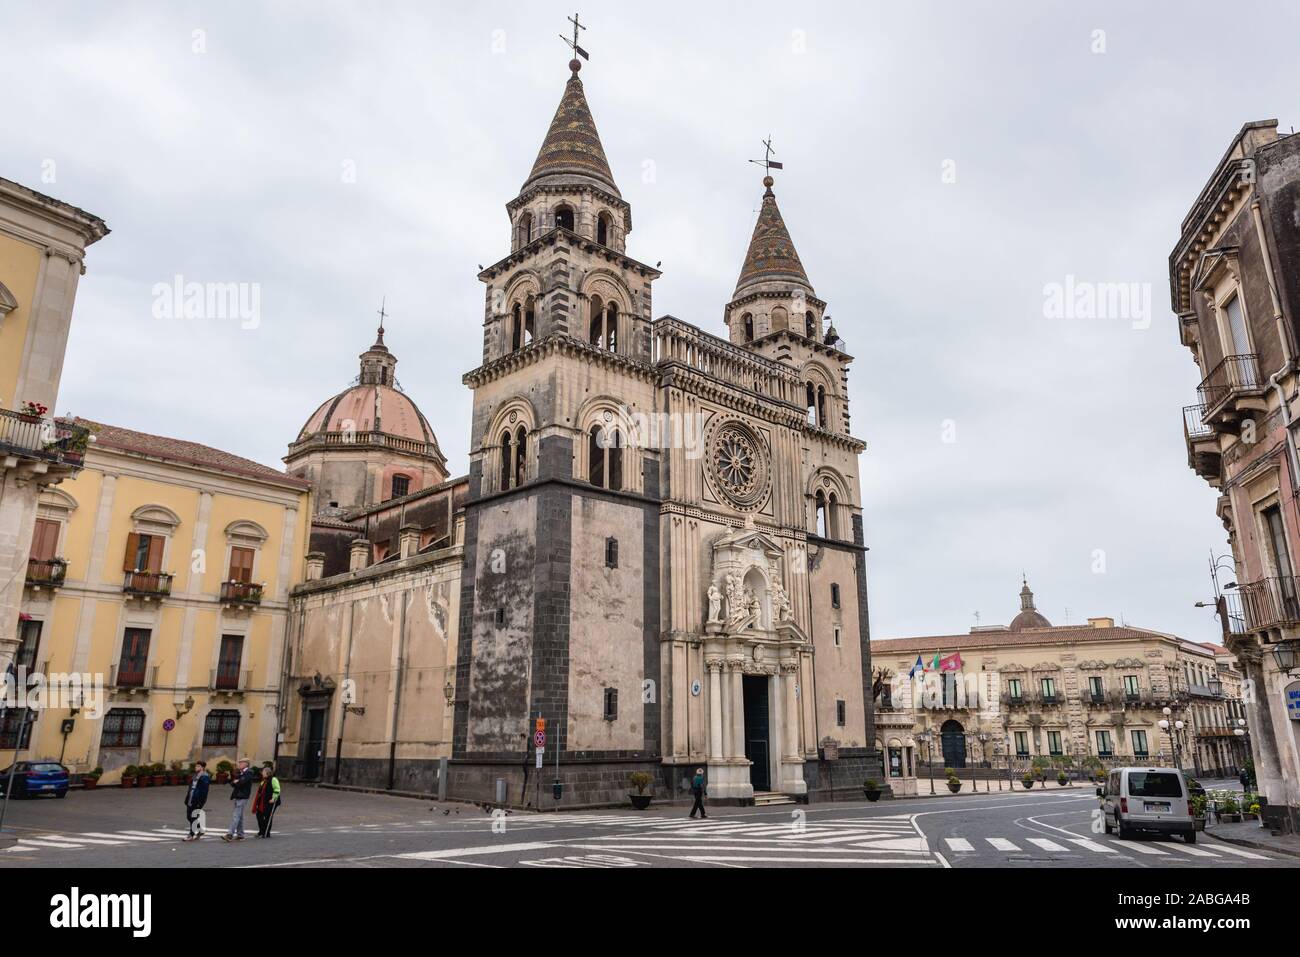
x=323 y=828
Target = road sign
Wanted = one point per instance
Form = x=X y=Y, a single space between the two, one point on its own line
x=540 y=739
x=169 y=724
x=541 y=724
x=540 y=752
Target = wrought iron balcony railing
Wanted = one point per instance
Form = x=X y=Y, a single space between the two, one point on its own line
x=1232 y=376
x=37 y=437
x=1203 y=456
x=1267 y=603
x=46 y=572
x=241 y=593
x=154 y=584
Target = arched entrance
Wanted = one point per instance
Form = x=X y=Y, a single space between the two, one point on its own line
x=953 y=736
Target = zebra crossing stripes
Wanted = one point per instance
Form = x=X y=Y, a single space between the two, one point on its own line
x=1046 y=844
x=94 y=839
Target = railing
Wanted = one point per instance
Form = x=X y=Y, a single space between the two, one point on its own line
x=158 y=584
x=1203 y=691
x=46 y=571
x=1194 y=426
x=1267 y=603
x=38 y=437
x=224 y=678
x=384 y=439
x=1234 y=374
x=677 y=342
x=241 y=593
x=133 y=677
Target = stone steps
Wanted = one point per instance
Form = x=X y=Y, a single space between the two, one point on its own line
x=770 y=798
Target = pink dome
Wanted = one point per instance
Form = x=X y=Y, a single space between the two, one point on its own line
x=370 y=408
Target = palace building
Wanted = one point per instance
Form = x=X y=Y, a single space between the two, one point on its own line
x=656 y=557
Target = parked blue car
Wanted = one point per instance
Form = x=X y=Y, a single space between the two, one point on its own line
x=34 y=778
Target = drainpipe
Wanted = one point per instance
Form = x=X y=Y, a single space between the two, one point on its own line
x=397 y=692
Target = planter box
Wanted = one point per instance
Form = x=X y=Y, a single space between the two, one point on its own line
x=954 y=786
x=872 y=796
x=127 y=782
x=89 y=784
x=640 y=801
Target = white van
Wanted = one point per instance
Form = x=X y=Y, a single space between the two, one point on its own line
x=1147 y=799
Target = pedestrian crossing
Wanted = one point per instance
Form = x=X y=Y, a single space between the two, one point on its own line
x=1074 y=845
x=72 y=841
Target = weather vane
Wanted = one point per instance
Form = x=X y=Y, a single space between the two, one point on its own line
x=767 y=162
x=573 y=44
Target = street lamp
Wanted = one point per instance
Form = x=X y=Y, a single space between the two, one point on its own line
x=1285 y=653
x=926 y=737
x=984 y=750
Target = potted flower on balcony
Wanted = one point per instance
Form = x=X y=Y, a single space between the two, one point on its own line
x=871 y=788
x=639 y=781
x=90 y=779
x=954 y=782
x=1027 y=780
x=223 y=771
x=129 y=776
x=33 y=411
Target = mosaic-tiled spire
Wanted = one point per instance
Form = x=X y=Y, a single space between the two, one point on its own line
x=572 y=148
x=771 y=256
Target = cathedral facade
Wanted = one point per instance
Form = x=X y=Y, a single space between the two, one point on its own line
x=657 y=555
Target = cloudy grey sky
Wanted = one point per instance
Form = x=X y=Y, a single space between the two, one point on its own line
x=226 y=165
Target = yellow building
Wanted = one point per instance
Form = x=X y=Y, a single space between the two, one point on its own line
x=42 y=250
x=161 y=575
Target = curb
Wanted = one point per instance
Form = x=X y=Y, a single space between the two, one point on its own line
x=1254 y=845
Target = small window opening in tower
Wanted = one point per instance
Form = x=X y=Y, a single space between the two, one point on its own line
x=530 y=326
x=820 y=513
x=749 y=327
x=525 y=229
x=810 y=326
x=506 y=470
x=516 y=327
x=521 y=454
x=611 y=327
x=832 y=510
x=812 y=405
x=602 y=229
x=564 y=217
x=821 y=406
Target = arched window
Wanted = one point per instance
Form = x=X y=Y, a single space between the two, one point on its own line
x=605 y=458
x=564 y=217
x=505 y=460
x=611 y=327
x=832 y=511
x=810 y=326
x=521 y=454
x=525 y=229
x=748 y=321
x=780 y=319
x=812 y=405
x=597 y=334
x=821 y=513
x=516 y=327
x=602 y=229
x=821 y=406
x=530 y=327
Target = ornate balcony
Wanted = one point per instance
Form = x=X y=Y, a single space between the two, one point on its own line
x=241 y=593
x=46 y=573
x=41 y=446
x=147 y=585
x=1203 y=455
x=1234 y=390
x=1267 y=603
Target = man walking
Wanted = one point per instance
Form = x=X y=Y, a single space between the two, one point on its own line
x=240 y=788
x=697 y=789
x=266 y=801
x=196 y=795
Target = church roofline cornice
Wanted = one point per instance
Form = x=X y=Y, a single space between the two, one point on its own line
x=757 y=294
x=554 y=235
x=820 y=347
x=555 y=343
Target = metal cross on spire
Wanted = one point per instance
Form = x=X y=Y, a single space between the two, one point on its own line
x=767 y=162
x=382 y=316
x=573 y=44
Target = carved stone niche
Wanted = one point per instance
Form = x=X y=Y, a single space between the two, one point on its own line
x=748 y=574
x=1092 y=666
x=1129 y=663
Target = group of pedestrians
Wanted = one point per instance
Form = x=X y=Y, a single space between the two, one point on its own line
x=245 y=785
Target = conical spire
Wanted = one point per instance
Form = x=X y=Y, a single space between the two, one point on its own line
x=572 y=146
x=771 y=256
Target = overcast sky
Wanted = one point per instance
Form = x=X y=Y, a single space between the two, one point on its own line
x=944 y=163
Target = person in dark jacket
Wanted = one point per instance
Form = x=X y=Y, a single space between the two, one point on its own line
x=266 y=801
x=240 y=790
x=1244 y=777
x=196 y=795
x=697 y=789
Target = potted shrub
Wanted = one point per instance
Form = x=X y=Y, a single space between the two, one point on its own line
x=223 y=771
x=639 y=781
x=90 y=779
x=954 y=782
x=1252 y=811
x=176 y=773
x=1062 y=778
x=158 y=773
x=1230 y=810
x=129 y=775
x=1199 y=804
x=1027 y=780
x=871 y=788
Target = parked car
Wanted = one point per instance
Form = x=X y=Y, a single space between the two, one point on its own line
x=33 y=778
x=1156 y=800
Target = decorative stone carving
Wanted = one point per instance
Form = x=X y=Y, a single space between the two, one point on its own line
x=715 y=604
x=737 y=464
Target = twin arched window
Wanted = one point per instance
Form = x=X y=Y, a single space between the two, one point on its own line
x=604 y=325
x=514 y=457
x=605 y=457
x=817 y=405
x=825 y=509
x=522 y=326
